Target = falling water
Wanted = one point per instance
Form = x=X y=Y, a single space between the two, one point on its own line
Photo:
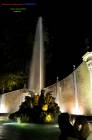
x=36 y=78
x=76 y=108
x=3 y=108
x=58 y=94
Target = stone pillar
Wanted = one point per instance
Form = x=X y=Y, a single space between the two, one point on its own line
x=87 y=58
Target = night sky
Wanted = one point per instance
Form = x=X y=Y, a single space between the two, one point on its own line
x=67 y=31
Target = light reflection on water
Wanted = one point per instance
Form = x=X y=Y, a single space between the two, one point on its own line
x=14 y=131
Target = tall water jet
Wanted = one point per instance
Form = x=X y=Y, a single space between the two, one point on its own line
x=76 y=106
x=36 y=78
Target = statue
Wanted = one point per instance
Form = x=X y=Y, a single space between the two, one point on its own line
x=75 y=131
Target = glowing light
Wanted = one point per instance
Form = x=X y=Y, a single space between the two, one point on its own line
x=62 y=108
x=45 y=107
x=48 y=118
x=76 y=110
x=56 y=125
x=36 y=77
x=3 y=108
x=17 y=11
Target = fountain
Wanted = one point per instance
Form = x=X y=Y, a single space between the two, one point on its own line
x=72 y=93
x=58 y=94
x=36 y=77
x=3 y=108
x=10 y=102
x=76 y=106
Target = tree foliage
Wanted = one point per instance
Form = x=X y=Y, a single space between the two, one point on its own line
x=10 y=82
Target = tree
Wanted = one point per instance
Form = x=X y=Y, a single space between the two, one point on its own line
x=11 y=81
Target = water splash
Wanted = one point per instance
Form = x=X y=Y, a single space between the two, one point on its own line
x=36 y=77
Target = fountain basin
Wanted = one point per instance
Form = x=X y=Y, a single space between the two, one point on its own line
x=4 y=117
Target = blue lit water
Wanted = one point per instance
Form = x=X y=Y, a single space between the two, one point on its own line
x=15 y=131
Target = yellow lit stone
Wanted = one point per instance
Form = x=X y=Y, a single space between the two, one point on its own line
x=45 y=107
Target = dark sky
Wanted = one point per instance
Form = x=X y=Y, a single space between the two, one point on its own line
x=67 y=28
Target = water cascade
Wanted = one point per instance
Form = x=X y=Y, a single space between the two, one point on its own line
x=58 y=94
x=3 y=108
x=76 y=106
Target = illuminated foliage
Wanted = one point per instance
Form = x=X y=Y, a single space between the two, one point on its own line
x=10 y=82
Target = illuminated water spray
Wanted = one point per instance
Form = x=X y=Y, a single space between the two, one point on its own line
x=3 y=108
x=58 y=94
x=36 y=78
x=76 y=107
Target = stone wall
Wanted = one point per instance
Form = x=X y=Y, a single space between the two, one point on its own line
x=63 y=91
x=11 y=101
